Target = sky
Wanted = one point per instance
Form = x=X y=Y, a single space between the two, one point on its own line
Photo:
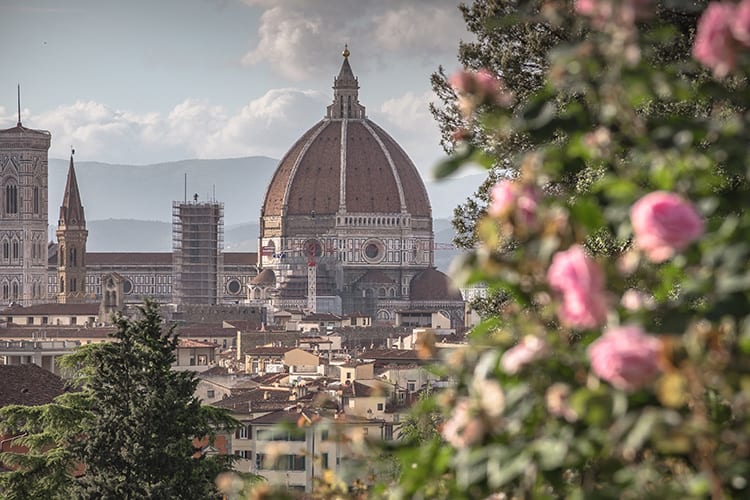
x=146 y=81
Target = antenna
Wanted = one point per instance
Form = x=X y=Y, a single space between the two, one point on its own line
x=19 y=105
x=213 y=198
x=185 y=187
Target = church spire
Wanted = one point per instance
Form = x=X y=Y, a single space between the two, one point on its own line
x=71 y=210
x=71 y=243
x=345 y=92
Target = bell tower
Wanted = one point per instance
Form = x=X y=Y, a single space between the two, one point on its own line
x=71 y=241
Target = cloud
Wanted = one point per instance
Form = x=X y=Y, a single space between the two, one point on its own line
x=267 y=126
x=420 y=30
x=295 y=35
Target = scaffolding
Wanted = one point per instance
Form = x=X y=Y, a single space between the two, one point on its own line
x=197 y=244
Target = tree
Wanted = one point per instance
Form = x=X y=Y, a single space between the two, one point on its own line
x=514 y=40
x=131 y=429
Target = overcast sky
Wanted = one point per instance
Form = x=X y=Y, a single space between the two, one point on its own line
x=145 y=81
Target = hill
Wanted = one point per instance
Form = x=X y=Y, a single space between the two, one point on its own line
x=146 y=192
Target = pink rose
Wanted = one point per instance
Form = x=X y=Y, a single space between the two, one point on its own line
x=508 y=198
x=502 y=198
x=529 y=349
x=580 y=310
x=663 y=224
x=714 y=46
x=527 y=202
x=741 y=23
x=478 y=87
x=626 y=357
x=581 y=282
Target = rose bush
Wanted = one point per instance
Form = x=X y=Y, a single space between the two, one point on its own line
x=641 y=223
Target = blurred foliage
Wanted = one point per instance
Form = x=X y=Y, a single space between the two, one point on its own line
x=621 y=111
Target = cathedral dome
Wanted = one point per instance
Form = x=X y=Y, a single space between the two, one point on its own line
x=432 y=285
x=346 y=164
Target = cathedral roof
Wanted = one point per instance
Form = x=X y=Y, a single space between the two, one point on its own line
x=266 y=277
x=346 y=164
x=71 y=210
x=375 y=276
x=433 y=285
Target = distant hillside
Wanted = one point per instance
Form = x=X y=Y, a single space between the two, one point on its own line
x=146 y=192
x=128 y=235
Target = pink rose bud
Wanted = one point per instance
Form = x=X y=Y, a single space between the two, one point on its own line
x=626 y=357
x=664 y=223
x=581 y=282
x=714 y=46
x=529 y=349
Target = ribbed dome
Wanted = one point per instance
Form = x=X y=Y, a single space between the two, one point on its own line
x=346 y=164
x=266 y=277
x=432 y=285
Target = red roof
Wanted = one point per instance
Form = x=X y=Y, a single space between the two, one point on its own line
x=28 y=385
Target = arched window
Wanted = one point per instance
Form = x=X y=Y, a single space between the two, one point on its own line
x=73 y=257
x=73 y=284
x=6 y=249
x=61 y=256
x=11 y=199
x=14 y=287
x=6 y=291
x=15 y=249
x=62 y=285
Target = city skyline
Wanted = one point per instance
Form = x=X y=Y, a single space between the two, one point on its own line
x=138 y=83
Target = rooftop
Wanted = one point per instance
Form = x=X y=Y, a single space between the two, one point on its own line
x=28 y=385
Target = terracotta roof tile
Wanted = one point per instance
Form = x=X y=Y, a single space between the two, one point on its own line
x=28 y=385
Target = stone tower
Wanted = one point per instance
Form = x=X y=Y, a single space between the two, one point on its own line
x=71 y=240
x=23 y=214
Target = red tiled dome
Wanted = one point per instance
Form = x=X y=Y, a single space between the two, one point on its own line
x=432 y=285
x=346 y=149
x=266 y=277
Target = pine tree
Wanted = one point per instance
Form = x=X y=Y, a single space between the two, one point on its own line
x=131 y=427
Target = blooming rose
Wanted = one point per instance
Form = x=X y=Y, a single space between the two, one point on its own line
x=583 y=310
x=478 y=87
x=664 y=223
x=527 y=202
x=508 y=196
x=741 y=23
x=502 y=198
x=714 y=46
x=626 y=357
x=529 y=349
x=581 y=282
